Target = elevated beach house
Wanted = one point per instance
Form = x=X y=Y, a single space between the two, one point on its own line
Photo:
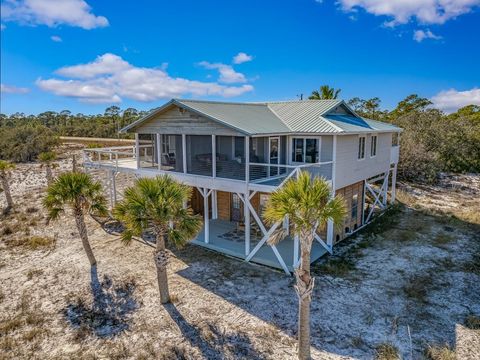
x=235 y=154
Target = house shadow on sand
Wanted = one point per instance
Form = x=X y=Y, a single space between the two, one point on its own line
x=364 y=297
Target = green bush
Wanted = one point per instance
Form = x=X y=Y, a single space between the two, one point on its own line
x=24 y=143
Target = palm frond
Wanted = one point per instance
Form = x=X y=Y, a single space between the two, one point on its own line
x=277 y=236
x=157 y=203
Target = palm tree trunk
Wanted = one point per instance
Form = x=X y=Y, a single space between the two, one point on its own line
x=49 y=175
x=161 y=261
x=74 y=163
x=82 y=229
x=304 y=289
x=6 y=190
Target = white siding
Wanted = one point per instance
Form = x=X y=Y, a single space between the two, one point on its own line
x=349 y=169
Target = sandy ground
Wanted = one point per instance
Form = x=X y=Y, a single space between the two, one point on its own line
x=411 y=281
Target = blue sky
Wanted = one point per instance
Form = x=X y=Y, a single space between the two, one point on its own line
x=87 y=55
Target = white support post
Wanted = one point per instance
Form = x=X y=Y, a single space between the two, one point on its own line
x=214 y=205
x=363 y=201
x=247 y=159
x=214 y=157
x=330 y=234
x=159 y=151
x=137 y=150
x=394 y=184
x=246 y=213
x=385 y=188
x=334 y=163
x=205 y=215
x=296 y=250
x=114 y=188
x=184 y=153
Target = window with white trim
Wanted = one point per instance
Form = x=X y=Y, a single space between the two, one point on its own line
x=361 y=147
x=395 y=139
x=373 y=146
x=354 y=211
x=305 y=150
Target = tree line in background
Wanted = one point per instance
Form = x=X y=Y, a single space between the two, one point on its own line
x=431 y=142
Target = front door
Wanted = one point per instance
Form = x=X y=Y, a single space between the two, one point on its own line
x=237 y=208
x=274 y=151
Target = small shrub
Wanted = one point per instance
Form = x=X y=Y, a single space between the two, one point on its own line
x=7 y=230
x=473 y=265
x=340 y=267
x=440 y=353
x=10 y=325
x=386 y=351
x=34 y=272
x=472 y=322
x=418 y=286
x=94 y=146
x=442 y=239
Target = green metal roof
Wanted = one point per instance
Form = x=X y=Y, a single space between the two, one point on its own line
x=306 y=116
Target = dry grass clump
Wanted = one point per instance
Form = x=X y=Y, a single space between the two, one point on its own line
x=337 y=267
x=34 y=243
x=472 y=322
x=405 y=198
x=25 y=327
x=34 y=273
x=418 y=286
x=442 y=239
x=473 y=265
x=386 y=351
x=437 y=352
x=31 y=210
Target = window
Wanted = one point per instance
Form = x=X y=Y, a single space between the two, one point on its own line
x=373 y=146
x=354 y=207
x=298 y=146
x=263 y=203
x=305 y=150
x=361 y=147
x=395 y=139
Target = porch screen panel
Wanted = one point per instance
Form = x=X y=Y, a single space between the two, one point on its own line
x=171 y=153
x=230 y=157
x=199 y=155
x=147 y=150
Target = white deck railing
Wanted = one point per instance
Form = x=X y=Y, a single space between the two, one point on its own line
x=259 y=173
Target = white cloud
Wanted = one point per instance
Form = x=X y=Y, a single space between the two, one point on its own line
x=109 y=78
x=242 y=57
x=10 y=89
x=420 y=35
x=452 y=100
x=52 y=13
x=227 y=74
x=402 y=11
x=56 y=38
x=107 y=64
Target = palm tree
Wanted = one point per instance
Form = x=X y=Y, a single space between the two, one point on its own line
x=80 y=193
x=157 y=204
x=325 y=93
x=47 y=158
x=309 y=205
x=5 y=169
